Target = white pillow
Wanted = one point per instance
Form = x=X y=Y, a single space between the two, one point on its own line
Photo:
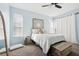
x=35 y=31
x=41 y=31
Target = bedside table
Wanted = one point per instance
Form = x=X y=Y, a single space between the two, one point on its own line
x=28 y=41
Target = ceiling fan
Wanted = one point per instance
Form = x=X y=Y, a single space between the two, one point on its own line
x=51 y=4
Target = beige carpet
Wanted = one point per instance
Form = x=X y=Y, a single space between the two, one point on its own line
x=33 y=50
x=28 y=50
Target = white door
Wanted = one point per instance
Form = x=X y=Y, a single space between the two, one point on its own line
x=77 y=27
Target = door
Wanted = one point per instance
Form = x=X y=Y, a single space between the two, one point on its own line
x=77 y=27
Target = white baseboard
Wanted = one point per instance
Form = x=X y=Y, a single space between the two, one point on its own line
x=16 y=46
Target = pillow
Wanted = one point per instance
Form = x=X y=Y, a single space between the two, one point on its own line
x=41 y=31
x=35 y=31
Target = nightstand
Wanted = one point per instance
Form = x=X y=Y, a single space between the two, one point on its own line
x=28 y=41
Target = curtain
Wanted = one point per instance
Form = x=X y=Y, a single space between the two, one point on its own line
x=66 y=26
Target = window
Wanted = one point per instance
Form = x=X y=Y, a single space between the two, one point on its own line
x=18 y=25
x=1 y=29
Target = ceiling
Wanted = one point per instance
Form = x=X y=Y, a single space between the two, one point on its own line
x=50 y=11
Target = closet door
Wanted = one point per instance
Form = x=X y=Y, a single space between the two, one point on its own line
x=64 y=27
x=77 y=27
x=57 y=26
x=68 y=27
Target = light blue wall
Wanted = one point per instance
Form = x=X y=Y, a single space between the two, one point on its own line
x=1 y=43
x=4 y=8
x=16 y=40
x=27 y=16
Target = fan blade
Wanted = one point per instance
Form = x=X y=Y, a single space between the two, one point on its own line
x=54 y=3
x=45 y=5
x=58 y=6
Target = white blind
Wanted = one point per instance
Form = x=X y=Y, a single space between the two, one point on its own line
x=18 y=24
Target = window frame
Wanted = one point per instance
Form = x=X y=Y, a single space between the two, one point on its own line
x=16 y=26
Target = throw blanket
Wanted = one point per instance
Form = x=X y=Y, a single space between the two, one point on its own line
x=45 y=40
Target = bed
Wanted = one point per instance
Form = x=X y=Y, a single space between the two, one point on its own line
x=46 y=40
x=41 y=38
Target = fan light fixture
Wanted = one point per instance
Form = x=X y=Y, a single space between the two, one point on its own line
x=51 y=4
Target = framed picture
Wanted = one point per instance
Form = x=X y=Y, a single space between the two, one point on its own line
x=37 y=23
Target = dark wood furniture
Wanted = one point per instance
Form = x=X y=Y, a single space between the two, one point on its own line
x=28 y=41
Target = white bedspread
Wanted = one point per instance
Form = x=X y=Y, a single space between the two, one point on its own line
x=45 y=40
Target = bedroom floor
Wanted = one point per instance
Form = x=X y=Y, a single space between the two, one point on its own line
x=33 y=50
